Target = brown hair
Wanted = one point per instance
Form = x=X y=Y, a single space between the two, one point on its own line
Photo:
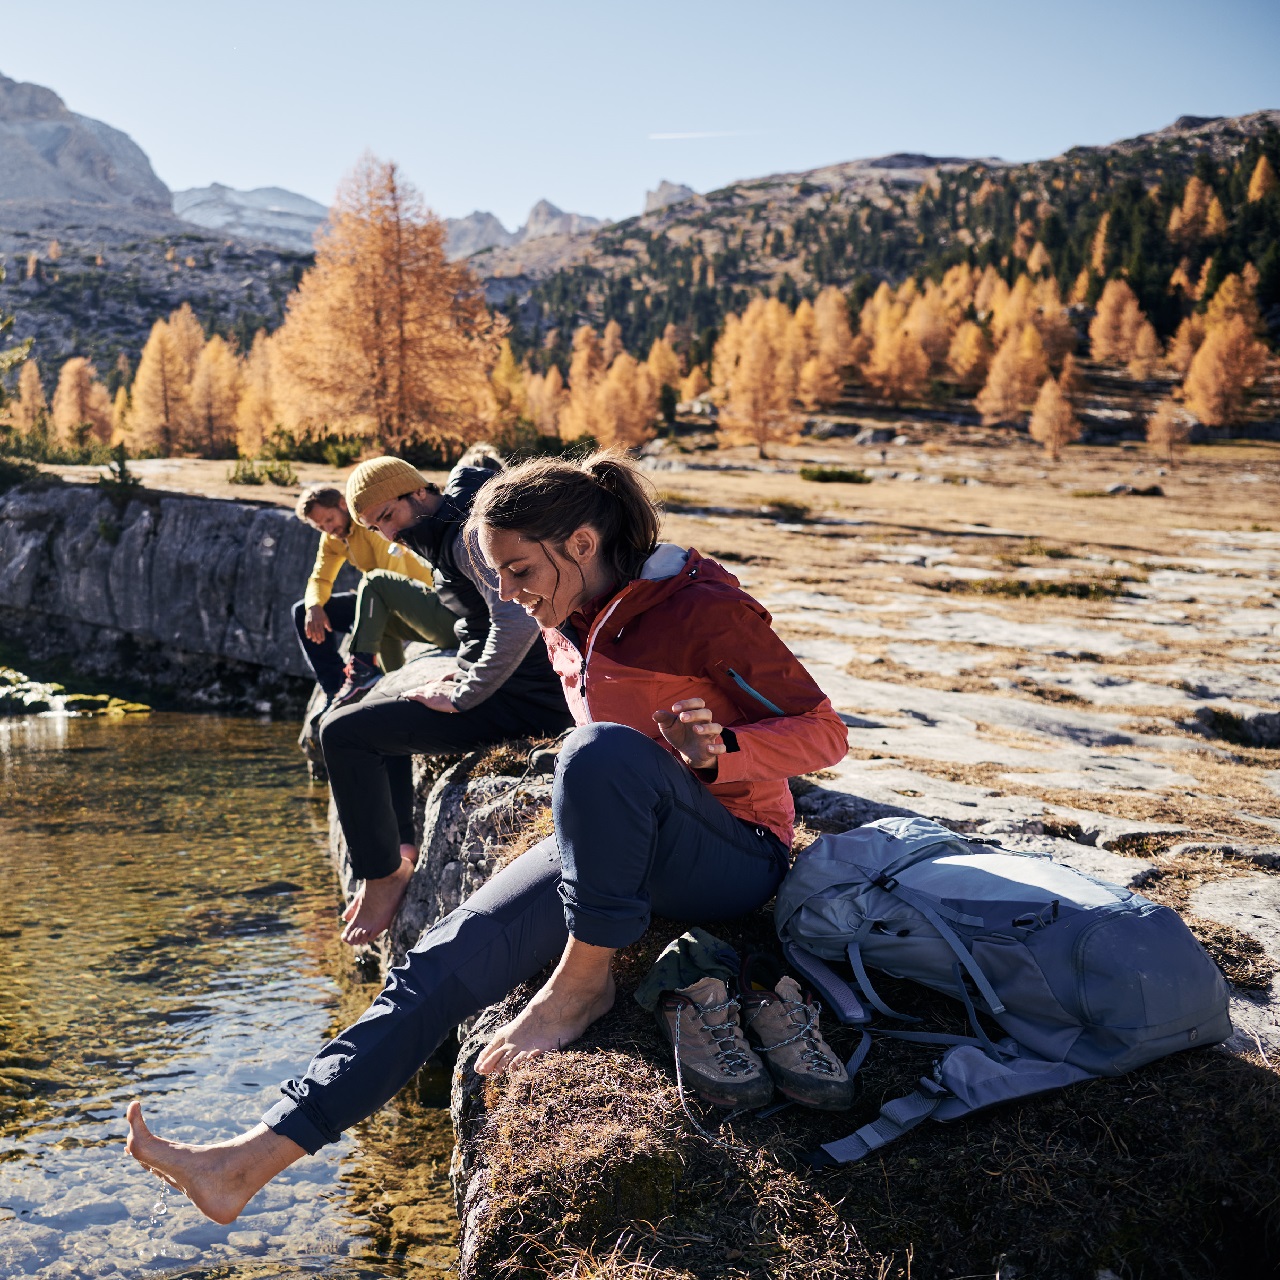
x=546 y=499
x=316 y=495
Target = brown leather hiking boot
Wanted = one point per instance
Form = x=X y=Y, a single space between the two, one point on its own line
x=712 y=1056
x=802 y=1063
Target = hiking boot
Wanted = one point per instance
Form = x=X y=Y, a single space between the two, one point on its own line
x=361 y=677
x=803 y=1065
x=712 y=1055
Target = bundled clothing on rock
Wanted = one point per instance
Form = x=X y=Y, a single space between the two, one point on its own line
x=637 y=830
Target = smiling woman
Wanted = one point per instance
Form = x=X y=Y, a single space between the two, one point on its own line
x=670 y=797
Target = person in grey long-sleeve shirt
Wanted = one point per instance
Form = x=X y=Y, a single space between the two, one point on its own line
x=504 y=686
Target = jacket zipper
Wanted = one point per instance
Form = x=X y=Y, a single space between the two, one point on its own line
x=591 y=644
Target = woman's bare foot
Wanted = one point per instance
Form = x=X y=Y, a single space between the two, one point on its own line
x=579 y=992
x=374 y=908
x=219 y=1179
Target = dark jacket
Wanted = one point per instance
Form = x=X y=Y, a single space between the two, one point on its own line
x=496 y=639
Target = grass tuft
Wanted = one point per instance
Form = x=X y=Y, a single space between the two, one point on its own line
x=834 y=475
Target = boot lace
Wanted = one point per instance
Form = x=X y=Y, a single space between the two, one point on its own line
x=814 y=1054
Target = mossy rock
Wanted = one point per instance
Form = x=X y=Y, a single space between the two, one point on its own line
x=119 y=707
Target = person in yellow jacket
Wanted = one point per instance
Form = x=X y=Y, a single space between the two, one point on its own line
x=395 y=601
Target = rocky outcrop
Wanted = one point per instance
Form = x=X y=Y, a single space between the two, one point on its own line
x=269 y=215
x=167 y=591
x=50 y=156
x=665 y=194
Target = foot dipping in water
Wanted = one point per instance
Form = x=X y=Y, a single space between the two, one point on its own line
x=669 y=798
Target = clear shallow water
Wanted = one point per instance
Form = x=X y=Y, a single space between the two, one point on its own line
x=167 y=933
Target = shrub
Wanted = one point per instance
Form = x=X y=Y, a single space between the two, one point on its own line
x=244 y=472
x=834 y=475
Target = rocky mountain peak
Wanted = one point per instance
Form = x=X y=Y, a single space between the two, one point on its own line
x=50 y=155
x=667 y=193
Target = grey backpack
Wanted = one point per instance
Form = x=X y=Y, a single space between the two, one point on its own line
x=1085 y=978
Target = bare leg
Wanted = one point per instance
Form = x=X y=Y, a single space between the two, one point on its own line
x=219 y=1179
x=579 y=992
x=374 y=908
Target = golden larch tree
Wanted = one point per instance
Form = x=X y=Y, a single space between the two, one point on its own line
x=831 y=321
x=1234 y=298
x=1146 y=353
x=544 y=394
x=968 y=356
x=1168 y=430
x=1187 y=220
x=757 y=396
x=1038 y=259
x=384 y=337
x=209 y=426
x=586 y=371
x=1228 y=363
x=257 y=412
x=664 y=364
x=1114 y=329
x=819 y=384
x=695 y=383
x=1053 y=421
x=30 y=411
x=611 y=343
x=1098 y=249
x=1017 y=369
x=1071 y=380
x=1264 y=180
x=626 y=404
x=158 y=401
x=120 y=416
x=1215 y=220
x=1185 y=343
x=508 y=384
x=81 y=406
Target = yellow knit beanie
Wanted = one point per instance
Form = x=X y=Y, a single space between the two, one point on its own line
x=381 y=480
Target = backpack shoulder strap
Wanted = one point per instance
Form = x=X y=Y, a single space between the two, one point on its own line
x=840 y=997
x=895 y=1119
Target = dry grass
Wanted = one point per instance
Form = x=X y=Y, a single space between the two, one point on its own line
x=590 y=1169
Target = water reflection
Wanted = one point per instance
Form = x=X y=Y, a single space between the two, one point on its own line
x=168 y=934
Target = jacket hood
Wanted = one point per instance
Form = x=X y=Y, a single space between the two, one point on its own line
x=669 y=570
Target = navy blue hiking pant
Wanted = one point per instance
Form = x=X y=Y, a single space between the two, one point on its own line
x=326 y=658
x=636 y=833
x=369 y=748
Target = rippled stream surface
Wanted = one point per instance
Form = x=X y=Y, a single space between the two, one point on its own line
x=167 y=933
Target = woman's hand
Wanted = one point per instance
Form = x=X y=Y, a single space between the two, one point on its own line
x=434 y=695
x=689 y=728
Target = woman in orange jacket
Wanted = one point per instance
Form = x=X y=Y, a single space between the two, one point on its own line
x=670 y=796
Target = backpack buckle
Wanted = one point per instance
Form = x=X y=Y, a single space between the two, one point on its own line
x=887 y=883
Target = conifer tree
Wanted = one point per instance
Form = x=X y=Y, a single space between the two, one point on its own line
x=611 y=345
x=507 y=381
x=1071 y=380
x=831 y=324
x=384 y=337
x=819 y=384
x=544 y=394
x=627 y=404
x=1185 y=343
x=757 y=387
x=1187 y=221
x=209 y=428
x=81 y=406
x=1146 y=353
x=1098 y=249
x=1223 y=370
x=158 y=403
x=1038 y=259
x=120 y=415
x=1168 y=430
x=968 y=356
x=257 y=412
x=30 y=412
x=1114 y=329
x=1053 y=422
x=1215 y=220
x=1264 y=180
x=695 y=383
x=1016 y=371
x=664 y=364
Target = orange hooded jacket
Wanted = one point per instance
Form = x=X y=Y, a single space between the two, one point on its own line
x=686 y=629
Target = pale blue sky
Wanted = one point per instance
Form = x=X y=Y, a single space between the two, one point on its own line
x=497 y=105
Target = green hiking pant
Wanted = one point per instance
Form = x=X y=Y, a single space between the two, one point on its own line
x=391 y=609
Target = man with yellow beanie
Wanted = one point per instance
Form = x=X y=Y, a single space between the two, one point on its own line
x=503 y=686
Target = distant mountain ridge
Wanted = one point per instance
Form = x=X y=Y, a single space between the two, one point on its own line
x=480 y=230
x=51 y=156
x=269 y=214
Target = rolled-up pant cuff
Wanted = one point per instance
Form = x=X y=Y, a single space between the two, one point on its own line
x=600 y=931
x=289 y=1120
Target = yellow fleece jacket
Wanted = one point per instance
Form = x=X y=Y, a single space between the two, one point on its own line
x=365 y=549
